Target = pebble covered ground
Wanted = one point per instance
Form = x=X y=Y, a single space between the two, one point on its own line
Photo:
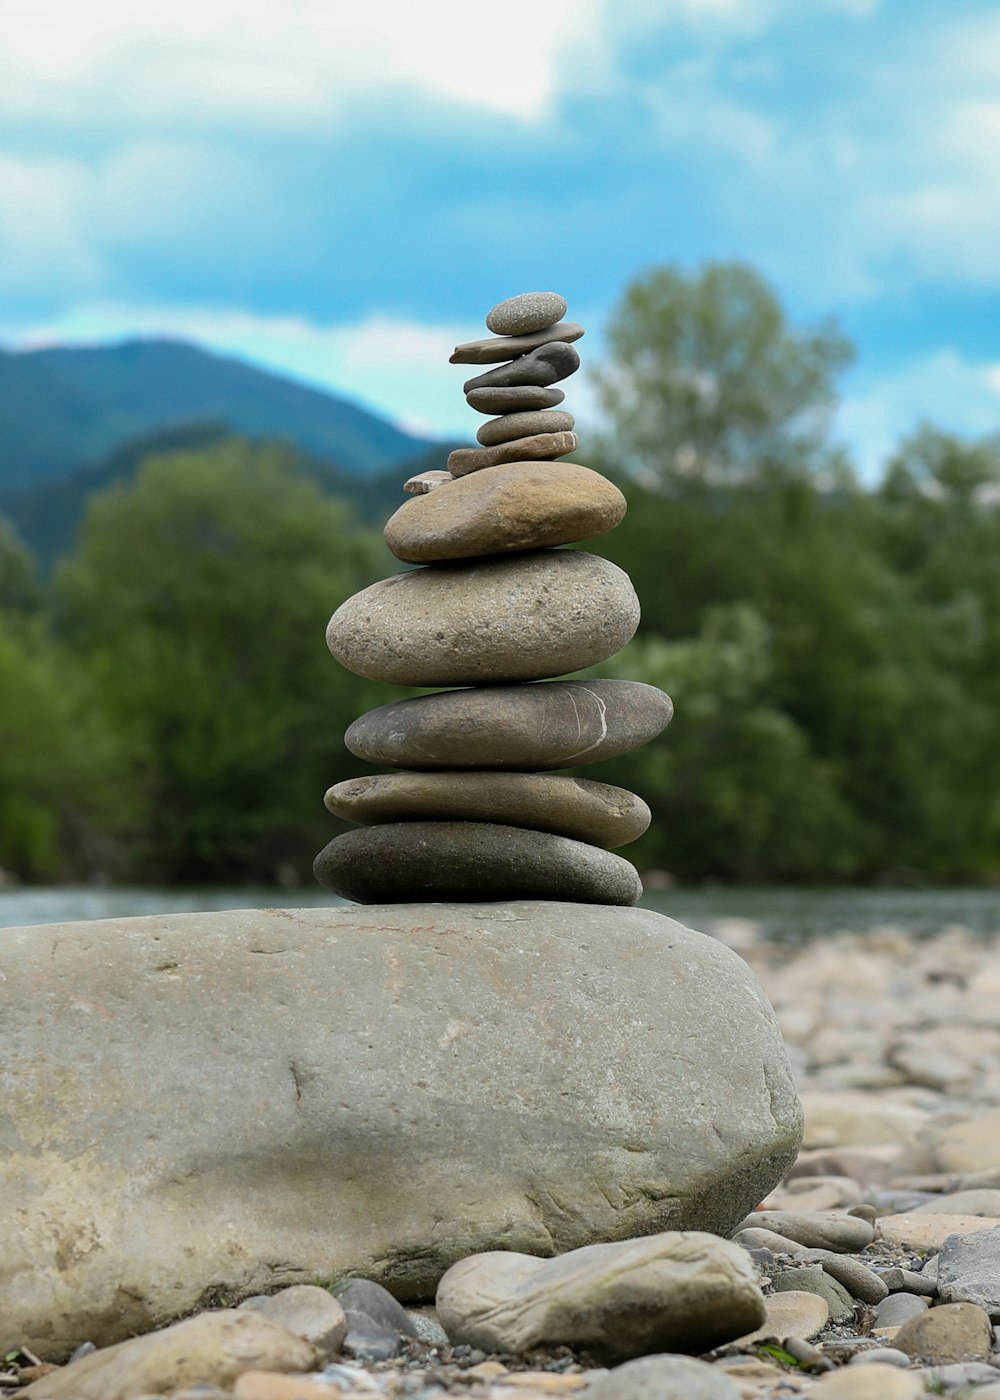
x=878 y=1256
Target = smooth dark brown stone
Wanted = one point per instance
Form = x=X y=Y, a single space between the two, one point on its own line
x=510 y=426
x=544 y=366
x=520 y=399
x=597 y=813
x=528 y=728
x=543 y=447
x=507 y=347
x=409 y=862
x=510 y=508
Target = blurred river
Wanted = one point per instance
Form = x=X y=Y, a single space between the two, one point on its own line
x=783 y=914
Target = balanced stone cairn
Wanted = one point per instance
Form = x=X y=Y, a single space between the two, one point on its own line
x=473 y=812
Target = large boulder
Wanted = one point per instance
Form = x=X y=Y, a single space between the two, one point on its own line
x=204 y=1106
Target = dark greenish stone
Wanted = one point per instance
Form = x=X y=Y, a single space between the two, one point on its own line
x=403 y=862
x=531 y=728
x=517 y=400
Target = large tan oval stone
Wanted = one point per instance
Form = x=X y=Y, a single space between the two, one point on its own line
x=517 y=506
x=520 y=618
x=237 y=1101
x=586 y=811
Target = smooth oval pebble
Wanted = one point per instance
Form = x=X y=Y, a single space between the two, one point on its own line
x=405 y=862
x=521 y=425
x=541 y=447
x=597 y=813
x=518 y=399
x=527 y=312
x=496 y=348
x=546 y=365
x=516 y=618
x=564 y=724
x=512 y=507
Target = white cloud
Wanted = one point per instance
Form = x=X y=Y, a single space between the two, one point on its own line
x=954 y=393
x=302 y=58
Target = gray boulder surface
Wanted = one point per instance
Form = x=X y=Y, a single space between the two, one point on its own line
x=208 y=1106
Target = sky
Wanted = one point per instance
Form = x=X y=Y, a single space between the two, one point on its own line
x=340 y=191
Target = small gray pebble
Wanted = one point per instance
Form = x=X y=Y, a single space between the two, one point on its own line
x=906 y=1281
x=84 y=1349
x=960 y=1373
x=372 y=1344
x=898 y=1308
x=889 y=1356
x=428 y=1330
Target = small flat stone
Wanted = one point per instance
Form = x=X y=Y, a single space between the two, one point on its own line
x=880 y=1356
x=404 y=862
x=517 y=400
x=812 y=1278
x=519 y=617
x=898 y=1308
x=542 y=447
x=596 y=813
x=510 y=426
x=526 y=312
x=972 y=1145
x=423 y=482
x=969 y=1269
x=564 y=724
x=682 y=1290
x=665 y=1377
x=271 y=1385
x=860 y=1281
x=791 y=1315
x=916 y=1230
x=820 y=1230
x=952 y=1332
x=508 y=509
x=767 y=1239
x=967 y=1377
x=547 y=365
x=984 y=1201
x=906 y=1281
x=872 y=1382
x=365 y=1302
x=213 y=1347
x=311 y=1313
x=495 y=349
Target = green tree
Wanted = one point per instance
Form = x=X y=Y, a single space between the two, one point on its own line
x=20 y=591
x=197 y=601
x=707 y=382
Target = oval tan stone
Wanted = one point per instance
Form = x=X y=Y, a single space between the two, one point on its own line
x=514 y=507
x=563 y=725
x=510 y=426
x=525 y=617
x=585 y=811
x=404 y=862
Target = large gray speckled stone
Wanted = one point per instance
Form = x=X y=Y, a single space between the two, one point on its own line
x=508 y=509
x=598 y=813
x=249 y=1099
x=400 y=862
x=515 y=618
x=526 y=312
x=565 y=724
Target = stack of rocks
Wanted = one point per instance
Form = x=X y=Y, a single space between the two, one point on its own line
x=497 y=605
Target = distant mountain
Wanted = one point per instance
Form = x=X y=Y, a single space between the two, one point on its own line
x=65 y=408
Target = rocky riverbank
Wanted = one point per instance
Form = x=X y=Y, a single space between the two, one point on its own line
x=873 y=1270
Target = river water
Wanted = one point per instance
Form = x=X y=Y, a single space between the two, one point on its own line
x=784 y=914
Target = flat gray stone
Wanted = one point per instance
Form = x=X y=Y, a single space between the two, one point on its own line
x=898 y=1308
x=542 y=447
x=527 y=312
x=565 y=724
x=309 y=1311
x=249 y=1099
x=510 y=426
x=367 y=1303
x=860 y=1281
x=969 y=1269
x=402 y=862
x=508 y=509
x=679 y=1290
x=517 y=618
x=819 y=1229
x=664 y=1378
x=495 y=349
x=814 y=1279
x=597 y=813
x=547 y=365
x=516 y=400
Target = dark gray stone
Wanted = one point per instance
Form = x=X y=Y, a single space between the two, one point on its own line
x=597 y=813
x=546 y=365
x=565 y=724
x=664 y=1377
x=290 y=1094
x=544 y=447
x=369 y=1304
x=516 y=400
x=511 y=426
x=403 y=862
x=897 y=1308
x=518 y=617
x=969 y=1269
x=369 y=1343
x=527 y=312
x=495 y=349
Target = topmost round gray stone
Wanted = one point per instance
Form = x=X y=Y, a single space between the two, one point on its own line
x=531 y=311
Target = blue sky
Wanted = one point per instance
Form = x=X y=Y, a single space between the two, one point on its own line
x=341 y=191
